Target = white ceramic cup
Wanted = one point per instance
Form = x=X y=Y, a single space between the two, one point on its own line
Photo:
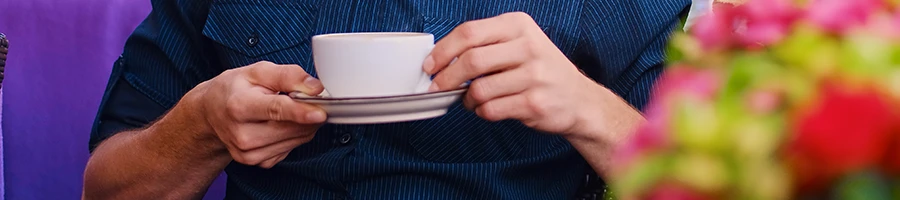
x=372 y=64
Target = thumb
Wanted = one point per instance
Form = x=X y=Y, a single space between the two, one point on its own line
x=283 y=78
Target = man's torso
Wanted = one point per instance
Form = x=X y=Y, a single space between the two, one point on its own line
x=456 y=156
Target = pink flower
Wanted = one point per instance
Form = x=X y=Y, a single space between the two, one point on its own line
x=685 y=80
x=764 y=101
x=894 y=25
x=715 y=30
x=758 y=22
x=839 y=15
x=677 y=82
x=764 y=22
x=897 y=19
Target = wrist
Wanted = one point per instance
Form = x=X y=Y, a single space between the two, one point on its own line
x=603 y=126
x=608 y=119
x=187 y=119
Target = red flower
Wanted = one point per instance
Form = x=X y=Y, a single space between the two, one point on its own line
x=892 y=161
x=847 y=130
x=893 y=158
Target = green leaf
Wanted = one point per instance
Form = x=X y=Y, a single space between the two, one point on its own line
x=697 y=126
x=748 y=71
x=810 y=49
x=683 y=48
x=866 y=54
x=757 y=138
x=646 y=173
x=864 y=185
x=896 y=189
x=763 y=179
x=702 y=172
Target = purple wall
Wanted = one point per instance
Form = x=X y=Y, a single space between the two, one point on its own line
x=61 y=53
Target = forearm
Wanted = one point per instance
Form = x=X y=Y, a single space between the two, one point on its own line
x=602 y=134
x=171 y=159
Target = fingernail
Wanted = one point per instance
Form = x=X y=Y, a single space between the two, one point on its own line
x=315 y=116
x=312 y=82
x=433 y=88
x=429 y=64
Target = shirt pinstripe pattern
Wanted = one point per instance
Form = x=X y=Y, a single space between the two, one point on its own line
x=618 y=43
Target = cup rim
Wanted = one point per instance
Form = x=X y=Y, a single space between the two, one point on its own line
x=380 y=36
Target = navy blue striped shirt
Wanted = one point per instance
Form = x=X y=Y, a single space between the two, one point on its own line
x=618 y=43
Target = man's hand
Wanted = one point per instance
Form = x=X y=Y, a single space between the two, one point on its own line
x=256 y=124
x=524 y=76
x=237 y=115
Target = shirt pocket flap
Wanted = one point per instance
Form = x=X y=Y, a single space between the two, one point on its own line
x=258 y=27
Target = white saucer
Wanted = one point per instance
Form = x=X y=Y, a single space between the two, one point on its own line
x=375 y=110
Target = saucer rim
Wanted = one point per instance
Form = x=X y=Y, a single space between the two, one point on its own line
x=293 y=95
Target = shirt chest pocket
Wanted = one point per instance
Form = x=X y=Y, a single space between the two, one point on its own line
x=248 y=31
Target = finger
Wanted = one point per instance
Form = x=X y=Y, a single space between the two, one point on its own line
x=283 y=78
x=480 y=61
x=271 y=162
x=252 y=136
x=469 y=35
x=253 y=107
x=497 y=85
x=258 y=156
x=509 y=107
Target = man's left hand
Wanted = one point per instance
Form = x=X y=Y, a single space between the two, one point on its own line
x=523 y=76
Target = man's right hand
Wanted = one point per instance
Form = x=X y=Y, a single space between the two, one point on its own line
x=242 y=107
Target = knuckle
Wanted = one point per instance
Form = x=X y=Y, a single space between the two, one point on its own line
x=243 y=158
x=253 y=160
x=475 y=61
x=469 y=31
x=535 y=74
x=231 y=71
x=243 y=142
x=518 y=16
x=440 y=52
x=478 y=90
x=531 y=123
x=237 y=157
x=263 y=63
x=268 y=165
x=232 y=74
x=273 y=111
x=283 y=71
x=234 y=108
x=489 y=112
x=531 y=48
x=533 y=102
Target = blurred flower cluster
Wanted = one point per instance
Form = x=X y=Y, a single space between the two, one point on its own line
x=774 y=99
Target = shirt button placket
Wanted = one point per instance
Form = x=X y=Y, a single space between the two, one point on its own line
x=346 y=138
x=344 y=135
x=252 y=40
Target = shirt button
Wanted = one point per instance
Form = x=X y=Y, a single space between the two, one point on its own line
x=252 y=40
x=345 y=138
